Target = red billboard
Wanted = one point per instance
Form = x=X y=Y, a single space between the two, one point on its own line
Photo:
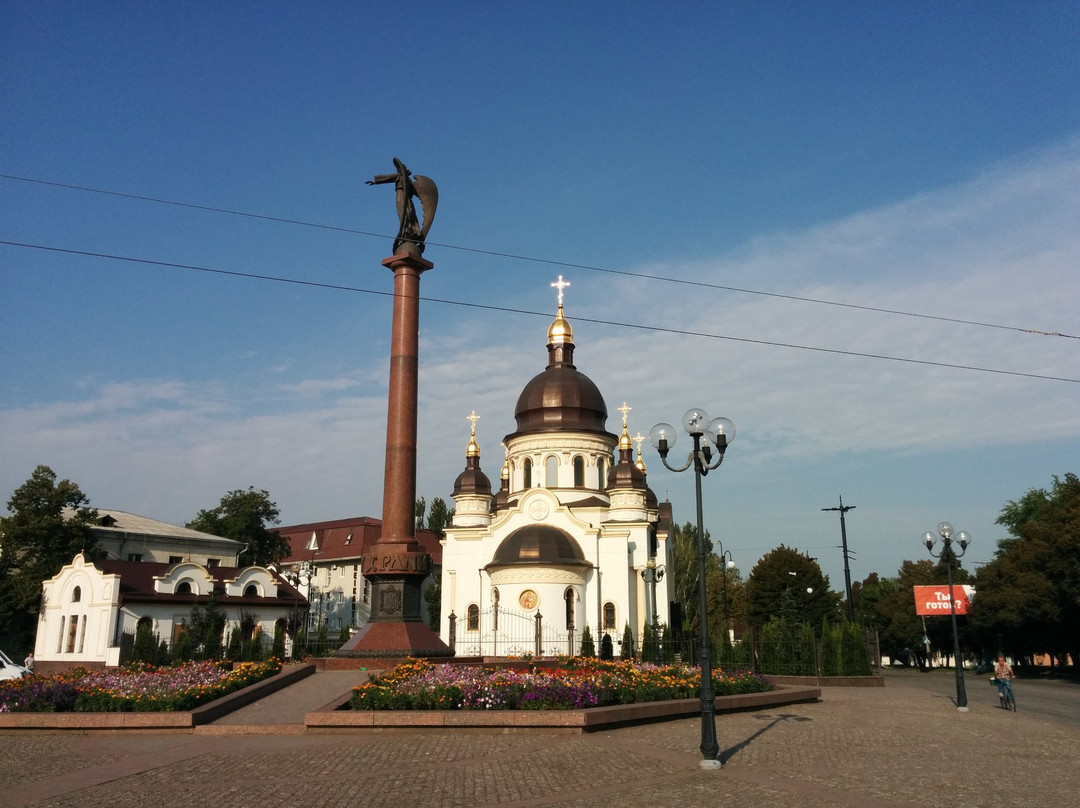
x=934 y=600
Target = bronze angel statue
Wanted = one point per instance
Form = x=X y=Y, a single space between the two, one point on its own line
x=411 y=233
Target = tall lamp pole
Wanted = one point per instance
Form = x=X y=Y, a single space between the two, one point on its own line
x=945 y=531
x=847 y=570
x=710 y=441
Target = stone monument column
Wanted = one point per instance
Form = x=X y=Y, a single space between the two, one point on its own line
x=397 y=564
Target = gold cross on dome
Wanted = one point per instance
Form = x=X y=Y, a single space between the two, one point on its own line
x=560 y=284
x=625 y=410
x=473 y=417
x=639 y=439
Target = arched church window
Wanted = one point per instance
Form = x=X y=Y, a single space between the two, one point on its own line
x=76 y=594
x=474 y=617
x=579 y=472
x=552 y=472
x=568 y=596
x=526 y=473
x=601 y=471
x=251 y=591
x=609 y=615
x=183 y=588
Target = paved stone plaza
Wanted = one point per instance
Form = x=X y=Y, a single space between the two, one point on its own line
x=901 y=745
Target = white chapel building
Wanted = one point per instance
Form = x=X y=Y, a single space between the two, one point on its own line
x=566 y=541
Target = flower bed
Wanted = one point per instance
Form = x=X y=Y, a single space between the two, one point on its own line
x=140 y=688
x=576 y=684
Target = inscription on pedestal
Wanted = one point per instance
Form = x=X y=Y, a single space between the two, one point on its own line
x=413 y=563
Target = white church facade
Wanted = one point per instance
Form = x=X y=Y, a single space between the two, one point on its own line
x=569 y=538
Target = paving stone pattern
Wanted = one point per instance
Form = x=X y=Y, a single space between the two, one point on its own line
x=858 y=748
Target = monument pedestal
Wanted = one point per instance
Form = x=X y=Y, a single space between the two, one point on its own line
x=396 y=626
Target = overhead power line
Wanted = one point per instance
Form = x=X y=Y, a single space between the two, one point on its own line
x=509 y=310
x=536 y=260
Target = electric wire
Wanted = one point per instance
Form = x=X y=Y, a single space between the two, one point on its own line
x=510 y=310
x=545 y=261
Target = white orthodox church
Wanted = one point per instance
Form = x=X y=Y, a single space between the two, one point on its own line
x=573 y=538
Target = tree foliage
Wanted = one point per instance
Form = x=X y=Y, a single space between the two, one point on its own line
x=48 y=523
x=791 y=586
x=1029 y=596
x=439 y=516
x=246 y=516
x=901 y=631
x=684 y=578
x=435 y=518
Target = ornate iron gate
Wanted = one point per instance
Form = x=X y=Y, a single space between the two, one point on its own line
x=503 y=632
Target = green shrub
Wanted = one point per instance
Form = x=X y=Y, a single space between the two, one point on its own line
x=588 y=648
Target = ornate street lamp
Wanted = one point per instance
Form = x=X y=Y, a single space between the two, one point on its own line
x=652 y=574
x=945 y=531
x=711 y=439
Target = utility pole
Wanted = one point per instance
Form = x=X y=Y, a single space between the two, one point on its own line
x=847 y=570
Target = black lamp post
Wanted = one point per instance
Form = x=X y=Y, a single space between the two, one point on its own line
x=652 y=574
x=711 y=439
x=945 y=531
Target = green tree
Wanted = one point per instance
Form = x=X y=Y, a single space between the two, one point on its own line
x=866 y=595
x=206 y=625
x=1029 y=595
x=588 y=647
x=439 y=516
x=650 y=645
x=684 y=577
x=791 y=585
x=627 y=651
x=278 y=649
x=901 y=630
x=146 y=643
x=48 y=523
x=246 y=516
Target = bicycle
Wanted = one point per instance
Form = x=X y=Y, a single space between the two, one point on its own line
x=1008 y=700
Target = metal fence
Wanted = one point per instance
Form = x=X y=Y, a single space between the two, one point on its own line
x=507 y=632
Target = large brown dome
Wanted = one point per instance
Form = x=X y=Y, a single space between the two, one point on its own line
x=561 y=398
x=538 y=545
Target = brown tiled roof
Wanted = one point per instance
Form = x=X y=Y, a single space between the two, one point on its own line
x=341 y=539
x=137 y=584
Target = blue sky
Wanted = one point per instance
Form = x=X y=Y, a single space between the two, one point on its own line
x=920 y=158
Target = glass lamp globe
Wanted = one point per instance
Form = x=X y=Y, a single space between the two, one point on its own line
x=718 y=427
x=945 y=530
x=963 y=538
x=663 y=432
x=928 y=539
x=695 y=421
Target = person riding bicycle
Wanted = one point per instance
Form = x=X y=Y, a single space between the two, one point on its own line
x=1003 y=673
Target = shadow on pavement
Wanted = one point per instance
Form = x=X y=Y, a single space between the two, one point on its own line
x=773 y=720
